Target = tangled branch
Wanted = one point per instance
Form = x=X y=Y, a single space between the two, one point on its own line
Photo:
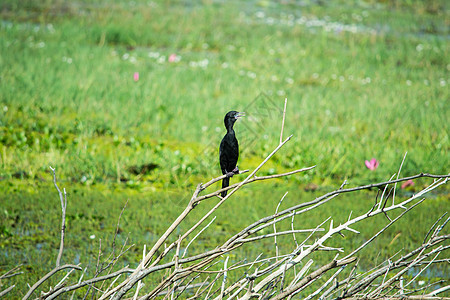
x=274 y=275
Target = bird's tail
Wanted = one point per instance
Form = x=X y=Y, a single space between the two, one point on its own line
x=225 y=183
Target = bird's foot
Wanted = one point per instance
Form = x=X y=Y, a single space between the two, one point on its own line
x=234 y=172
x=229 y=174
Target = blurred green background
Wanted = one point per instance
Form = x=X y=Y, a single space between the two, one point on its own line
x=126 y=100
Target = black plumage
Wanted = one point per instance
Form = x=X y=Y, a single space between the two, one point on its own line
x=229 y=149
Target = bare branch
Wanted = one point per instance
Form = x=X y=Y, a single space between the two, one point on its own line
x=47 y=276
x=12 y=272
x=63 y=219
x=314 y=275
x=88 y=282
x=282 y=123
x=7 y=290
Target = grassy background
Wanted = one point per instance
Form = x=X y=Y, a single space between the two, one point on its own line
x=363 y=79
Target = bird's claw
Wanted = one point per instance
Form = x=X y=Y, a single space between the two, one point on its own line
x=234 y=172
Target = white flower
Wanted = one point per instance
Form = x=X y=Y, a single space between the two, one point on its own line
x=153 y=54
x=270 y=21
x=161 y=59
x=203 y=63
x=251 y=75
x=260 y=14
x=92 y=236
x=50 y=28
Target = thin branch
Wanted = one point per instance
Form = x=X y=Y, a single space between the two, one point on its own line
x=292 y=229
x=47 y=276
x=296 y=287
x=260 y=237
x=398 y=174
x=225 y=275
x=282 y=123
x=7 y=290
x=432 y=227
x=255 y=178
x=12 y=272
x=327 y=283
x=438 y=291
x=381 y=231
x=276 y=212
x=89 y=281
x=200 y=232
x=139 y=284
x=63 y=219
x=214 y=180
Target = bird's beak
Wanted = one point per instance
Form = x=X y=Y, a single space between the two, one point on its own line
x=240 y=115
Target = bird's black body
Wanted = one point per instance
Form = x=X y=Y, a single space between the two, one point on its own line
x=229 y=150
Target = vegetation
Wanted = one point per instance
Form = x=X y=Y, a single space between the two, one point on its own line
x=126 y=100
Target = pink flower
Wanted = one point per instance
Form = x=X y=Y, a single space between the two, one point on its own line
x=407 y=183
x=172 y=58
x=136 y=76
x=372 y=164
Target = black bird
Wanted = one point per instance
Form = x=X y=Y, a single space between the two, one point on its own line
x=229 y=149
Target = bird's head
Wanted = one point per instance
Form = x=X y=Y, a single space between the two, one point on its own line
x=232 y=117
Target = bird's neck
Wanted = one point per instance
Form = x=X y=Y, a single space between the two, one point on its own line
x=230 y=130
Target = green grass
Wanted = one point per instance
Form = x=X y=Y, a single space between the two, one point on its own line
x=391 y=99
x=363 y=79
